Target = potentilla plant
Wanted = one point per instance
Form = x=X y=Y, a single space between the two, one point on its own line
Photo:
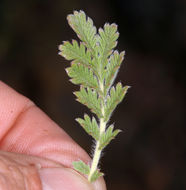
x=94 y=66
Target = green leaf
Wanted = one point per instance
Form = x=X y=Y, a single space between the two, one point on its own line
x=89 y=97
x=91 y=127
x=107 y=136
x=96 y=175
x=114 y=98
x=84 y=28
x=112 y=69
x=82 y=75
x=94 y=66
x=75 y=52
x=107 y=41
x=81 y=167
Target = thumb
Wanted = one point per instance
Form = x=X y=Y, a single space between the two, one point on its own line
x=25 y=172
x=66 y=179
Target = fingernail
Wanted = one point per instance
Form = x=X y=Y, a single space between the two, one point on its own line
x=63 y=179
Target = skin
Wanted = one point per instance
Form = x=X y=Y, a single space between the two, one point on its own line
x=35 y=153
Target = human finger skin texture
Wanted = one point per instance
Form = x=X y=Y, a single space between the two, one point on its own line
x=17 y=174
x=24 y=172
x=26 y=129
x=27 y=132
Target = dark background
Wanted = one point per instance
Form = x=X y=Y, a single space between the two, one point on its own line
x=150 y=153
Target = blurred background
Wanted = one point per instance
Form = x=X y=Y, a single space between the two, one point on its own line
x=150 y=154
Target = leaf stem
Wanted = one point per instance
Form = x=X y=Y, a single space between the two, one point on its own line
x=95 y=161
x=97 y=151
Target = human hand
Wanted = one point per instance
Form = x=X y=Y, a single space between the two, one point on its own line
x=35 y=152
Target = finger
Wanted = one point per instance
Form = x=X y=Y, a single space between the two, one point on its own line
x=26 y=129
x=23 y=172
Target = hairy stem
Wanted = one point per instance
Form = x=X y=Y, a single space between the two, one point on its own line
x=95 y=161
x=97 y=151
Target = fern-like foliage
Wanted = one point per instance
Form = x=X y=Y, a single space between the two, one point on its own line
x=107 y=41
x=72 y=51
x=112 y=69
x=84 y=29
x=89 y=97
x=115 y=96
x=82 y=75
x=107 y=136
x=90 y=126
x=94 y=66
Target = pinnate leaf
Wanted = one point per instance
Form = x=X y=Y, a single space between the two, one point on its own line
x=112 y=69
x=107 y=41
x=89 y=97
x=81 y=167
x=94 y=67
x=84 y=28
x=82 y=75
x=107 y=136
x=90 y=126
x=75 y=52
x=114 y=98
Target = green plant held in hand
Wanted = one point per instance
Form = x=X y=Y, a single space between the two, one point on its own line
x=94 y=67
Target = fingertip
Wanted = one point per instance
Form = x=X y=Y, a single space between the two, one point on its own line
x=63 y=179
